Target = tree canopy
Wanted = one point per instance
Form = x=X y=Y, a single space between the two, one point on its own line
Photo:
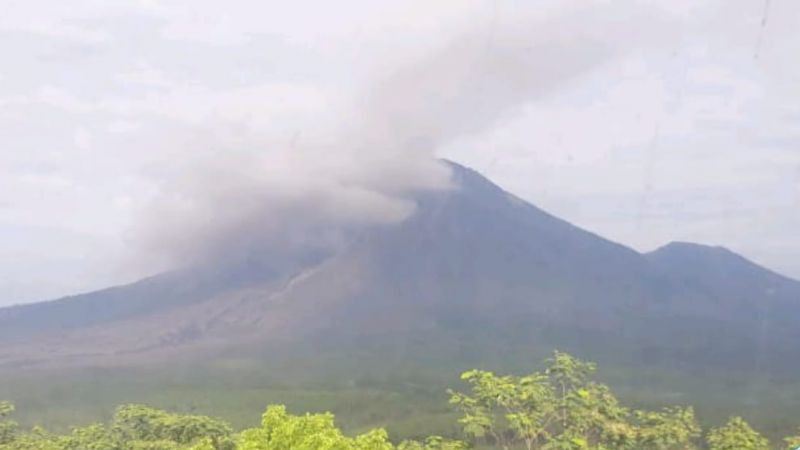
x=562 y=408
x=736 y=435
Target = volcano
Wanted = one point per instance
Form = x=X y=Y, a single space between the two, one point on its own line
x=475 y=276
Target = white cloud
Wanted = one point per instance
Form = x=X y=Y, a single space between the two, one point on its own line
x=145 y=75
x=83 y=138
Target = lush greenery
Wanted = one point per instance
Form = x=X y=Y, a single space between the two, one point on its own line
x=560 y=408
x=137 y=427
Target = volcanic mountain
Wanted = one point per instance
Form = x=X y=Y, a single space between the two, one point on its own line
x=476 y=276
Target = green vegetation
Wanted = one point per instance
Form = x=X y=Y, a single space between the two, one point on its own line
x=560 y=408
x=7 y=427
x=137 y=427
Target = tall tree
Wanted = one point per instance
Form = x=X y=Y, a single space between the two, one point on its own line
x=559 y=409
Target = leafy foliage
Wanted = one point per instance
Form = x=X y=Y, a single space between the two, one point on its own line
x=134 y=427
x=280 y=430
x=559 y=408
x=736 y=435
x=7 y=427
x=563 y=409
x=137 y=427
x=670 y=429
x=141 y=424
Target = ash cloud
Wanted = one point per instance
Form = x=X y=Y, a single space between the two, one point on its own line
x=259 y=193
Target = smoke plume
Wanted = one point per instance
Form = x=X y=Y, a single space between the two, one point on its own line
x=363 y=167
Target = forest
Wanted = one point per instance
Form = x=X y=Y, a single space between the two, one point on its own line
x=561 y=407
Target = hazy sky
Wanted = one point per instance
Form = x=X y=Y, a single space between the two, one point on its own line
x=644 y=121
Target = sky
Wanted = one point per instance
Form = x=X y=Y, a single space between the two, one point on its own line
x=131 y=131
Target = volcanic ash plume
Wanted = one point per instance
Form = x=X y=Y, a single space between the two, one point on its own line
x=311 y=193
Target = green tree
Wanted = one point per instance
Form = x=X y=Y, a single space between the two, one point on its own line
x=670 y=429
x=92 y=437
x=567 y=374
x=35 y=439
x=282 y=431
x=588 y=414
x=141 y=427
x=736 y=435
x=505 y=409
x=134 y=427
x=558 y=409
